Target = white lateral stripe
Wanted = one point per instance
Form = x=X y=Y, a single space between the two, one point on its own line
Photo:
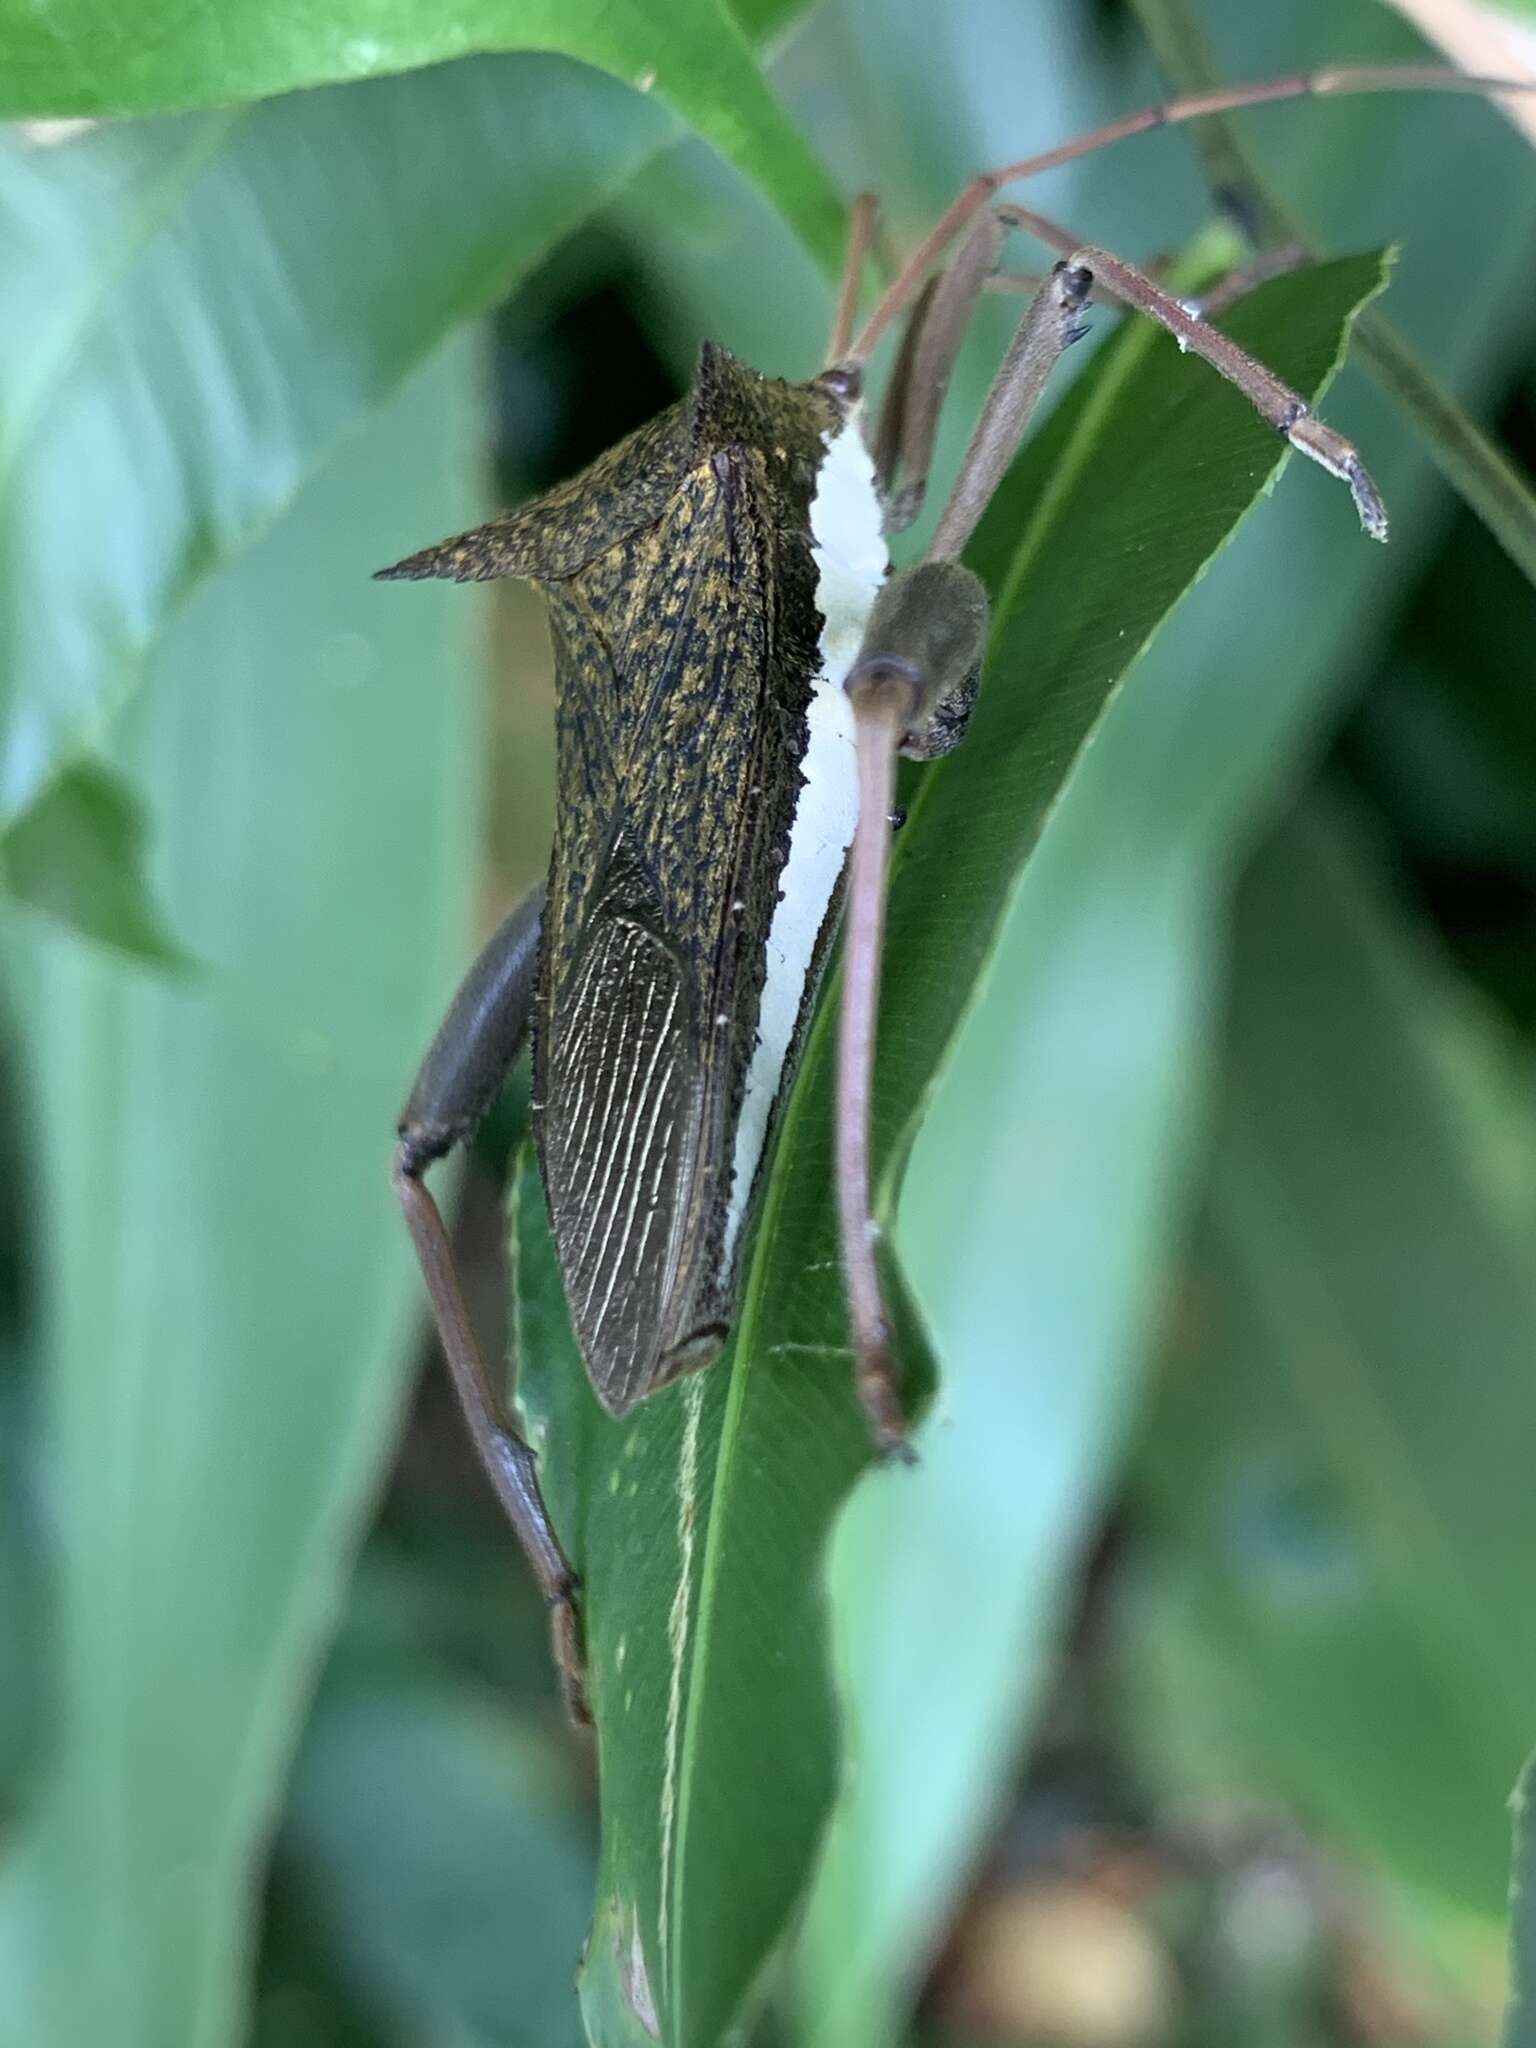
x=677 y=1648
x=848 y=545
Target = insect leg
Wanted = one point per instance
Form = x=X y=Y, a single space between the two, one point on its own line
x=915 y=396
x=1337 y=81
x=1285 y=410
x=1050 y=325
x=891 y=430
x=929 y=348
x=467 y=1062
x=911 y=689
x=919 y=660
x=1243 y=278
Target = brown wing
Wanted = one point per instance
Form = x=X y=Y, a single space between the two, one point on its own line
x=681 y=593
x=659 y=901
x=621 y=1122
x=684 y=651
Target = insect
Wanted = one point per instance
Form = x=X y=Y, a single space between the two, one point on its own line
x=738 y=670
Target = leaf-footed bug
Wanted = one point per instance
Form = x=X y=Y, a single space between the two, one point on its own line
x=737 y=671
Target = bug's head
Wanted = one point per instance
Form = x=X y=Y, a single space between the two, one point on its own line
x=843 y=383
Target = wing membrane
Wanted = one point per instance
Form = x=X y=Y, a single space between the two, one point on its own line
x=621 y=1135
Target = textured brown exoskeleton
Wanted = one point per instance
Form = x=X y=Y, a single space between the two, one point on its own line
x=737 y=670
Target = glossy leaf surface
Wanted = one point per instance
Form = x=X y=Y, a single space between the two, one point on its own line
x=1336 y=1464
x=86 y=57
x=1087 y=1059
x=436 y=1848
x=225 y=1294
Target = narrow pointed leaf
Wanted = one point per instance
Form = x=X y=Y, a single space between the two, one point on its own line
x=1058 y=1142
x=1097 y=1024
x=1088 y=1058
x=224 y=1284
x=1333 y=1468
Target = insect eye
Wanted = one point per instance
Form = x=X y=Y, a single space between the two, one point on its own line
x=844 y=382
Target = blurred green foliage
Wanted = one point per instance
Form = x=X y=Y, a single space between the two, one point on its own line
x=1213 y=1583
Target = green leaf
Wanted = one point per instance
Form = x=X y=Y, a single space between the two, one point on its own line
x=764 y=20
x=1475 y=467
x=700 y=1523
x=439 y=1855
x=654 y=1509
x=26 y=1676
x=1520 y=2021
x=199 y=310
x=1089 y=1053
x=78 y=856
x=1062 y=1147
x=224 y=1282
x=85 y=57
x=1332 y=1465
x=1087 y=1056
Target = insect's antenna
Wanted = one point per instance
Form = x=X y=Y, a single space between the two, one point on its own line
x=861 y=235
x=1335 y=82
